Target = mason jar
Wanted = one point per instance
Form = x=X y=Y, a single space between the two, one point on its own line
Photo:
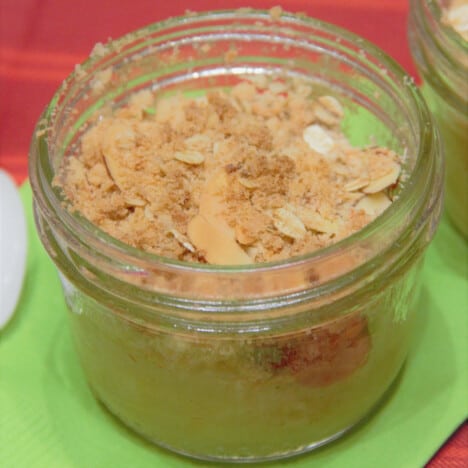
x=441 y=55
x=254 y=362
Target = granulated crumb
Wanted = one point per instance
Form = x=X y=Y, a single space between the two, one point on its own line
x=79 y=72
x=230 y=55
x=101 y=80
x=257 y=174
x=99 y=50
x=205 y=48
x=275 y=13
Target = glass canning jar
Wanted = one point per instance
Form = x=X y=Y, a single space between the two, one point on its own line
x=248 y=362
x=441 y=55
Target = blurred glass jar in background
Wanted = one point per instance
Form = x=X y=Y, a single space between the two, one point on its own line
x=441 y=55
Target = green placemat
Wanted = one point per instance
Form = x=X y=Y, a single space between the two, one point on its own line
x=49 y=418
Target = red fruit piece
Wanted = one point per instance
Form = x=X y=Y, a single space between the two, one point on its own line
x=327 y=354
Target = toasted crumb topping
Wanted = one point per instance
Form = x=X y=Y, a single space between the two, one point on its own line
x=259 y=173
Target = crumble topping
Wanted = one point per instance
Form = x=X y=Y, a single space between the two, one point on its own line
x=259 y=173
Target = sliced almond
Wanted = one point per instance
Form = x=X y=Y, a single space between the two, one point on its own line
x=117 y=175
x=135 y=200
x=288 y=224
x=244 y=236
x=182 y=240
x=212 y=203
x=353 y=196
x=374 y=204
x=318 y=139
x=377 y=185
x=198 y=142
x=315 y=221
x=193 y=158
x=355 y=185
x=248 y=183
x=328 y=110
x=118 y=143
x=218 y=248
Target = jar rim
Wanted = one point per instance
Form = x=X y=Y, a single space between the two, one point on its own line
x=422 y=172
x=436 y=12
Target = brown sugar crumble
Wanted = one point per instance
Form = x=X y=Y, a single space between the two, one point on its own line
x=259 y=173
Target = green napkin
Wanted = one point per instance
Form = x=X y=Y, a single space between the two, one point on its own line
x=49 y=418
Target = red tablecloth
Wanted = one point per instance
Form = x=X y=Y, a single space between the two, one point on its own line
x=42 y=40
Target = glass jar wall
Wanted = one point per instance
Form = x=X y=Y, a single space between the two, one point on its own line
x=441 y=55
x=247 y=362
